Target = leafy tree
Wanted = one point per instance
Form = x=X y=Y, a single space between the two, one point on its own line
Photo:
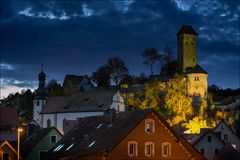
x=151 y=57
x=194 y=125
x=55 y=88
x=102 y=76
x=117 y=69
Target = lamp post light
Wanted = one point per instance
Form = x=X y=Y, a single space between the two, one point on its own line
x=19 y=130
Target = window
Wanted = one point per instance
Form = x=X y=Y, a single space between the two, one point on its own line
x=58 y=147
x=42 y=154
x=234 y=146
x=37 y=102
x=225 y=137
x=166 y=149
x=48 y=123
x=149 y=125
x=221 y=127
x=209 y=138
x=216 y=151
x=5 y=156
x=91 y=144
x=149 y=149
x=70 y=147
x=196 y=78
x=202 y=150
x=132 y=148
x=53 y=139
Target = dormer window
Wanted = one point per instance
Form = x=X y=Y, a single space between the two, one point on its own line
x=149 y=125
x=132 y=148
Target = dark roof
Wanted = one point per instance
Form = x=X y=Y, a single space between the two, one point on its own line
x=8 y=116
x=104 y=136
x=186 y=29
x=74 y=79
x=196 y=69
x=80 y=102
x=223 y=121
x=34 y=139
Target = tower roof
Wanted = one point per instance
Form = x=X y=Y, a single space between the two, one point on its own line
x=186 y=29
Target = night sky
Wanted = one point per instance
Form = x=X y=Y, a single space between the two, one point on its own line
x=77 y=37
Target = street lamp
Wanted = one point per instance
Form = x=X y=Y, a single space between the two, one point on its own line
x=19 y=130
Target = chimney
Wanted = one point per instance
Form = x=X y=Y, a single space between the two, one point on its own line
x=109 y=116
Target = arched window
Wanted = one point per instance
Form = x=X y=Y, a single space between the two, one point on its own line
x=132 y=148
x=149 y=149
x=149 y=126
x=166 y=149
x=48 y=123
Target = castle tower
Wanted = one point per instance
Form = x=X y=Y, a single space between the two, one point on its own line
x=41 y=98
x=186 y=42
x=196 y=76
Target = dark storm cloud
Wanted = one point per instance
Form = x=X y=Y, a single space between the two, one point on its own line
x=77 y=37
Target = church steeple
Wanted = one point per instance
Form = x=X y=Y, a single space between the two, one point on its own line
x=41 y=91
x=186 y=41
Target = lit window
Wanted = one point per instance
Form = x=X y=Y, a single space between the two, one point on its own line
x=70 y=147
x=53 y=139
x=149 y=149
x=149 y=125
x=234 y=146
x=209 y=138
x=225 y=137
x=132 y=148
x=91 y=144
x=166 y=149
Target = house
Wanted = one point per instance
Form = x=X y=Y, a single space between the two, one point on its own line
x=227 y=153
x=74 y=83
x=53 y=111
x=7 y=151
x=140 y=134
x=8 y=122
x=208 y=143
x=78 y=105
x=35 y=146
x=227 y=134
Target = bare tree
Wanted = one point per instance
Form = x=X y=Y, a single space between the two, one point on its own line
x=151 y=57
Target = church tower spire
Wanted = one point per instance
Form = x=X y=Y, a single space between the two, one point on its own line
x=41 y=97
x=187 y=48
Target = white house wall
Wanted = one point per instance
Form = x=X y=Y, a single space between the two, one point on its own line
x=209 y=147
x=45 y=118
x=232 y=138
